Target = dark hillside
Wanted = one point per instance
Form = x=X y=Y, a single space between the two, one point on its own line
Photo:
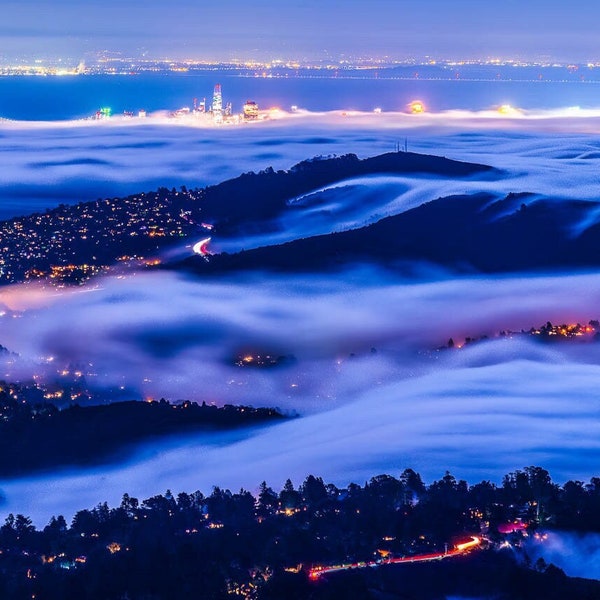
x=465 y=233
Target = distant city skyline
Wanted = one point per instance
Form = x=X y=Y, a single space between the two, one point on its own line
x=302 y=29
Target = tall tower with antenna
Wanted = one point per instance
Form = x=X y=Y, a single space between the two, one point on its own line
x=217 y=104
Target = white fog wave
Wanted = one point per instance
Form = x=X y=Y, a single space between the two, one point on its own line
x=498 y=405
x=178 y=337
x=372 y=392
x=577 y=554
x=466 y=420
x=45 y=164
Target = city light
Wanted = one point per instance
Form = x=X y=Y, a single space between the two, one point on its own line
x=416 y=107
x=507 y=109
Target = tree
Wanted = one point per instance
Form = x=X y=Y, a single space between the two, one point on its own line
x=7 y=531
x=219 y=504
x=184 y=501
x=574 y=500
x=84 y=522
x=56 y=525
x=129 y=504
x=413 y=486
x=16 y=529
x=385 y=485
x=314 y=492
x=242 y=509
x=542 y=489
x=289 y=497
x=23 y=525
x=484 y=495
x=267 y=500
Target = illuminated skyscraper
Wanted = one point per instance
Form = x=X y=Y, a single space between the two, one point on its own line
x=217 y=104
x=250 y=110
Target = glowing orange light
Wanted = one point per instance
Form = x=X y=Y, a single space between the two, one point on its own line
x=474 y=542
x=507 y=109
x=416 y=107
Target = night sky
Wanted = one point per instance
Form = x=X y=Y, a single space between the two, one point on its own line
x=313 y=29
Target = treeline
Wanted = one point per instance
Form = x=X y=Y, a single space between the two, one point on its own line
x=194 y=545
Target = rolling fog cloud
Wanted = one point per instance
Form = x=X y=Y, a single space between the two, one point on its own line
x=578 y=555
x=498 y=405
x=171 y=336
x=44 y=164
x=477 y=422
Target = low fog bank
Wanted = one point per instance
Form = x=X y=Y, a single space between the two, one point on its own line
x=176 y=337
x=478 y=422
x=578 y=555
x=44 y=165
x=480 y=412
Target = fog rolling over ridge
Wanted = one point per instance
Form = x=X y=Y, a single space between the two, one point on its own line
x=479 y=412
x=372 y=394
x=45 y=164
x=576 y=554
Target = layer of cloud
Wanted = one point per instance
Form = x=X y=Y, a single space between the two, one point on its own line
x=578 y=555
x=480 y=412
x=45 y=164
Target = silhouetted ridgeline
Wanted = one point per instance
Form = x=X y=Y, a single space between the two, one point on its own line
x=41 y=438
x=479 y=232
x=474 y=233
x=262 y=547
x=72 y=243
x=256 y=197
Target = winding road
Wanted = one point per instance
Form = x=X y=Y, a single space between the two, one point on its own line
x=318 y=570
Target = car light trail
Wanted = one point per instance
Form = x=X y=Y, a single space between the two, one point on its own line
x=459 y=549
x=201 y=247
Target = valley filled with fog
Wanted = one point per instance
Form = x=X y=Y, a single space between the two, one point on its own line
x=371 y=392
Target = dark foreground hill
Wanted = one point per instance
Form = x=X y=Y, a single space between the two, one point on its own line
x=474 y=233
x=267 y=546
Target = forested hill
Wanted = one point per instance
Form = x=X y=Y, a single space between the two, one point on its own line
x=265 y=546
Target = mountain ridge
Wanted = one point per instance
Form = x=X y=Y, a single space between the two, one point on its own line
x=467 y=233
